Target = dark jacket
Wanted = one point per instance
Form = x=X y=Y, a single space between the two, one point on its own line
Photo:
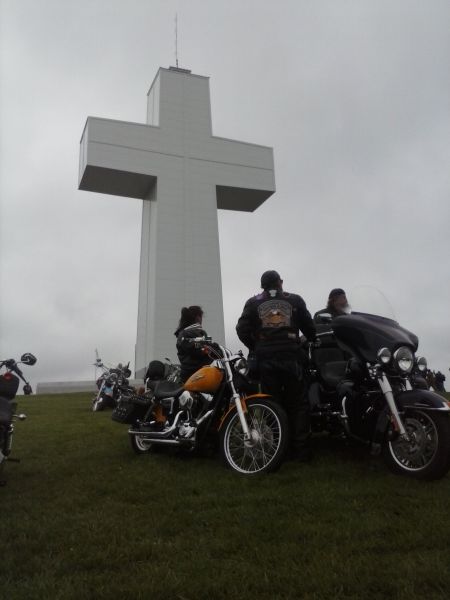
x=190 y=353
x=270 y=323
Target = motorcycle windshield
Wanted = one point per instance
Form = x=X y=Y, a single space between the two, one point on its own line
x=370 y=326
x=370 y=300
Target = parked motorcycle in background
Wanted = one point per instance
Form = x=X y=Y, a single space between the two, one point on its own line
x=367 y=384
x=9 y=384
x=110 y=384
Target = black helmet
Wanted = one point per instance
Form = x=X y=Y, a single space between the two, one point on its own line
x=270 y=280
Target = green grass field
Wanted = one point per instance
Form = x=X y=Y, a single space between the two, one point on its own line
x=83 y=517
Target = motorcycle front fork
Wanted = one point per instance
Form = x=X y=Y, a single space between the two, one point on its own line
x=242 y=418
x=385 y=387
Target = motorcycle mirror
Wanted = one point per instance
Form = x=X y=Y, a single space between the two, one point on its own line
x=28 y=359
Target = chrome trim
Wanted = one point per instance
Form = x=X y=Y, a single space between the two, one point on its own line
x=426 y=407
x=157 y=435
x=156 y=441
x=242 y=418
x=21 y=417
x=205 y=416
x=385 y=386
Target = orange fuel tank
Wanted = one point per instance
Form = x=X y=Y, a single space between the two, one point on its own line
x=207 y=380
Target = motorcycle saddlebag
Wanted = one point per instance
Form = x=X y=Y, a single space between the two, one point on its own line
x=131 y=409
x=9 y=384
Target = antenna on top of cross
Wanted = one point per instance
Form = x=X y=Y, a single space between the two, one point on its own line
x=176 y=40
x=177 y=68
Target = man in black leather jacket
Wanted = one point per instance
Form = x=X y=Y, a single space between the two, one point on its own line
x=269 y=327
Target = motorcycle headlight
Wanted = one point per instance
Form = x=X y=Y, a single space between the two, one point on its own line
x=404 y=359
x=112 y=378
x=384 y=355
x=421 y=364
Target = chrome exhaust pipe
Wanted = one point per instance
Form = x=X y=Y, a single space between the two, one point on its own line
x=159 y=441
x=157 y=435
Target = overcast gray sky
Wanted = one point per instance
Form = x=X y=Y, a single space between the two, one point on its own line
x=354 y=97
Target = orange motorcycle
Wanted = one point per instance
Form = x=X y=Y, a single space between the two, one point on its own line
x=218 y=401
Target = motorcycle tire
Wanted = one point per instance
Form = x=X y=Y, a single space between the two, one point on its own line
x=427 y=455
x=140 y=445
x=268 y=426
x=5 y=447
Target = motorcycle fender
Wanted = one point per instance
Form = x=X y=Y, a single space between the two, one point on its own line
x=423 y=399
x=244 y=400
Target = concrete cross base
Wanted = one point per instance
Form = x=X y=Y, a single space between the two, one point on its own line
x=70 y=387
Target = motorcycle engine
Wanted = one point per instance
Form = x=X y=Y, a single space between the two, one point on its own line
x=186 y=400
x=186 y=430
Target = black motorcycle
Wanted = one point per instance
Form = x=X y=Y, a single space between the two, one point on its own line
x=366 y=384
x=110 y=385
x=9 y=384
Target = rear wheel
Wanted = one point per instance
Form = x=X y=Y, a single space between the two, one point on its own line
x=5 y=449
x=264 y=451
x=426 y=455
x=140 y=444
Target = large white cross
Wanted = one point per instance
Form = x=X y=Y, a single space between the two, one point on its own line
x=183 y=173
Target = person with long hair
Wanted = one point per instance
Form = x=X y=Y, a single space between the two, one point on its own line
x=190 y=354
x=337 y=305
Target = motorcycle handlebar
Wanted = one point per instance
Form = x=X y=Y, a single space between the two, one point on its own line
x=12 y=365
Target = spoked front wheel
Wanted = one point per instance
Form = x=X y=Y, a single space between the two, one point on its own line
x=266 y=447
x=426 y=454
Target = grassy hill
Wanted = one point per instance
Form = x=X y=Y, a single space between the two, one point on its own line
x=83 y=517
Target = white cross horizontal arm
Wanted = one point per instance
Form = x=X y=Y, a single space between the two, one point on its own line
x=124 y=159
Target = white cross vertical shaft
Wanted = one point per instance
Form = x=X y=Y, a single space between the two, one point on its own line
x=183 y=173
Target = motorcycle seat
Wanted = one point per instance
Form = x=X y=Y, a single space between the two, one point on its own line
x=333 y=372
x=6 y=411
x=165 y=389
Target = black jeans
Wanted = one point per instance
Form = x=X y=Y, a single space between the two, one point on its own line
x=282 y=379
